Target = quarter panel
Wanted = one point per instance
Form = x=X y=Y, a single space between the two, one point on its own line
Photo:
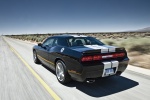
x=69 y=57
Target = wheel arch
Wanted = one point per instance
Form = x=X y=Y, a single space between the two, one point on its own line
x=68 y=77
x=58 y=58
x=34 y=50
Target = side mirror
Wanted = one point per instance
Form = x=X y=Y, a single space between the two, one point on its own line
x=40 y=44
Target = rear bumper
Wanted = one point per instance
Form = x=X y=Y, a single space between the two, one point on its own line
x=97 y=71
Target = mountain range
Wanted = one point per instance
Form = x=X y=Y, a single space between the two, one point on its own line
x=147 y=29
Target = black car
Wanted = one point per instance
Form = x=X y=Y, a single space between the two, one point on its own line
x=80 y=57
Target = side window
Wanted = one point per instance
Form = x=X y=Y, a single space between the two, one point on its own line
x=80 y=41
x=88 y=42
x=55 y=42
x=60 y=42
x=48 y=42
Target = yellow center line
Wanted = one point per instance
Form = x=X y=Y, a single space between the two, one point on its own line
x=11 y=49
x=50 y=91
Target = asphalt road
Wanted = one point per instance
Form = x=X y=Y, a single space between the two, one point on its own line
x=18 y=83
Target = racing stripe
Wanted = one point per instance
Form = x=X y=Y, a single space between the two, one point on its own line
x=115 y=63
x=111 y=48
x=103 y=49
x=106 y=66
x=110 y=64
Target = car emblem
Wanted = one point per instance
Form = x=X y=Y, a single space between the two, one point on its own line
x=62 y=49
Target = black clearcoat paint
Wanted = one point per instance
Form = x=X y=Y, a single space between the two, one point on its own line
x=71 y=56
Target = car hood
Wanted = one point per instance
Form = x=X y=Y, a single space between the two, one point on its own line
x=103 y=48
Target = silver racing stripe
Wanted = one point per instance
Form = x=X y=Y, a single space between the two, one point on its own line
x=103 y=49
x=111 y=48
x=110 y=64
x=115 y=65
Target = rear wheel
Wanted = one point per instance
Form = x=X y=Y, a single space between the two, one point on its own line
x=61 y=72
x=35 y=58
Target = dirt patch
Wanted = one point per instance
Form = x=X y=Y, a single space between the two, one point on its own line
x=139 y=59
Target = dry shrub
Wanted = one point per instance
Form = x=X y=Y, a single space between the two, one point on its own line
x=109 y=41
x=132 y=54
x=145 y=48
x=140 y=61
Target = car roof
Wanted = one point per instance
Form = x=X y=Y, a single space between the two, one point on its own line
x=66 y=36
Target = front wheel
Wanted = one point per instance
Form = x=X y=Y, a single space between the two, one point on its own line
x=61 y=72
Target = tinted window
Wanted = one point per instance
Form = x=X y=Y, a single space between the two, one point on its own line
x=80 y=41
x=48 y=42
x=60 y=42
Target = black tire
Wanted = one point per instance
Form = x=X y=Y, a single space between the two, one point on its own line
x=35 y=58
x=66 y=78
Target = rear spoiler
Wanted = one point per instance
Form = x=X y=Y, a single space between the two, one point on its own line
x=101 y=51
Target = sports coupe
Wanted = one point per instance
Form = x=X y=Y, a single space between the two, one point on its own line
x=80 y=57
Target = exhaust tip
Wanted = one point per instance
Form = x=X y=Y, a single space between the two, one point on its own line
x=90 y=81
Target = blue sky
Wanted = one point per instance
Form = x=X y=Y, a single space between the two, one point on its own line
x=54 y=16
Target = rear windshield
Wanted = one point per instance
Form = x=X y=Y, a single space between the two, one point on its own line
x=80 y=41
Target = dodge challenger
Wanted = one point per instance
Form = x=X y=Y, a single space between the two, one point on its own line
x=80 y=57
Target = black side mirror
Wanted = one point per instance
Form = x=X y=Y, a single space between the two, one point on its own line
x=40 y=44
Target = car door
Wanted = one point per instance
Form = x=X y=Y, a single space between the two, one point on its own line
x=44 y=51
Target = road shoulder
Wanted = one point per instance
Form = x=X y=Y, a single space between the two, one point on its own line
x=139 y=70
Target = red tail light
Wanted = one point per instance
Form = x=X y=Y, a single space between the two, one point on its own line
x=87 y=58
x=118 y=55
x=100 y=57
x=97 y=57
x=121 y=54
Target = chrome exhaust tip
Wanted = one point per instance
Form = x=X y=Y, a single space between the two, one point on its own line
x=90 y=81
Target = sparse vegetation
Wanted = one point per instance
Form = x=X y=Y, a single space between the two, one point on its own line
x=141 y=45
x=138 y=49
x=136 y=44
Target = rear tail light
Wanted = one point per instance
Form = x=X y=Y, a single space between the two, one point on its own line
x=87 y=58
x=100 y=57
x=118 y=55
x=97 y=57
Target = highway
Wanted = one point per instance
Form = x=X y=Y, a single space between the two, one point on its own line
x=18 y=82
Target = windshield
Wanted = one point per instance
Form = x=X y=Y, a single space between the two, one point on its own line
x=80 y=41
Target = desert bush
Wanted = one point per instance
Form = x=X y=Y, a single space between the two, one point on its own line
x=141 y=45
x=110 y=42
x=145 y=48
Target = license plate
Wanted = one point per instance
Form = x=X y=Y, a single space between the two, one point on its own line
x=109 y=71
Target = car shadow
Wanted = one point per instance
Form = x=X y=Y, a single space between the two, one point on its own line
x=102 y=86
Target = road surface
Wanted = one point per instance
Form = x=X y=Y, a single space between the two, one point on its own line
x=18 y=83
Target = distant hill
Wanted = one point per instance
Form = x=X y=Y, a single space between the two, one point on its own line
x=143 y=30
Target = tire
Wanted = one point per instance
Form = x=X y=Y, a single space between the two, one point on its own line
x=35 y=58
x=61 y=73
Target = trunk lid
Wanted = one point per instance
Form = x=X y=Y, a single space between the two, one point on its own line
x=100 y=52
x=101 y=49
